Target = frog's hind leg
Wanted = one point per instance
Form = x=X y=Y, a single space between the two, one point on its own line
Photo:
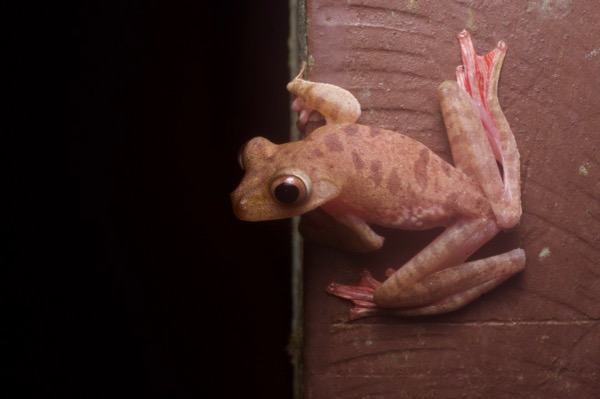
x=478 y=131
x=439 y=271
x=437 y=279
x=454 y=287
x=464 y=283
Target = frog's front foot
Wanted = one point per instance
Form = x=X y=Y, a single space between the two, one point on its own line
x=317 y=101
x=305 y=113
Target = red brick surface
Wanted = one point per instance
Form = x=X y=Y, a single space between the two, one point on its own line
x=538 y=334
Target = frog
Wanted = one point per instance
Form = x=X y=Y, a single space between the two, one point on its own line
x=364 y=176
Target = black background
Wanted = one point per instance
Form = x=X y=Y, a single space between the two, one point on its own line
x=172 y=296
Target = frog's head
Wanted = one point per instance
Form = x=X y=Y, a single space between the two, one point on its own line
x=275 y=186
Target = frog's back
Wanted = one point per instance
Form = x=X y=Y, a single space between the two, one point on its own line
x=386 y=176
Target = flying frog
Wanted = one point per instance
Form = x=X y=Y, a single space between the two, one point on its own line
x=363 y=175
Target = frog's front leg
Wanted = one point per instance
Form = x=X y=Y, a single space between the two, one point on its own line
x=333 y=103
x=363 y=234
x=436 y=280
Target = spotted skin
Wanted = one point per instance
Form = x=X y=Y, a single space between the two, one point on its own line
x=362 y=175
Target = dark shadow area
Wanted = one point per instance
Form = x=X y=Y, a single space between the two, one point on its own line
x=173 y=296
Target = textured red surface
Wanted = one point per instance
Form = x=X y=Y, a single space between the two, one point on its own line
x=538 y=334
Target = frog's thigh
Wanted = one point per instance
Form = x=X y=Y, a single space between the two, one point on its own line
x=456 y=286
x=470 y=275
x=451 y=303
x=471 y=149
x=448 y=250
x=473 y=154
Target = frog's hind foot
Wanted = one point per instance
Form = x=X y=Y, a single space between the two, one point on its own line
x=361 y=295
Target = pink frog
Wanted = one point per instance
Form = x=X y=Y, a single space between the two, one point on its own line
x=363 y=175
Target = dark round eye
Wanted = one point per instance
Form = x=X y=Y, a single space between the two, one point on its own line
x=289 y=190
x=241 y=156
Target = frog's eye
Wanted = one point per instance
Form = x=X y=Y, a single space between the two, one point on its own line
x=240 y=156
x=289 y=189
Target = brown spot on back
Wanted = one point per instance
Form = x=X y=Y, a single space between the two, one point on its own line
x=420 y=168
x=316 y=153
x=357 y=160
x=350 y=129
x=447 y=168
x=374 y=131
x=393 y=182
x=333 y=143
x=452 y=202
x=376 y=172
